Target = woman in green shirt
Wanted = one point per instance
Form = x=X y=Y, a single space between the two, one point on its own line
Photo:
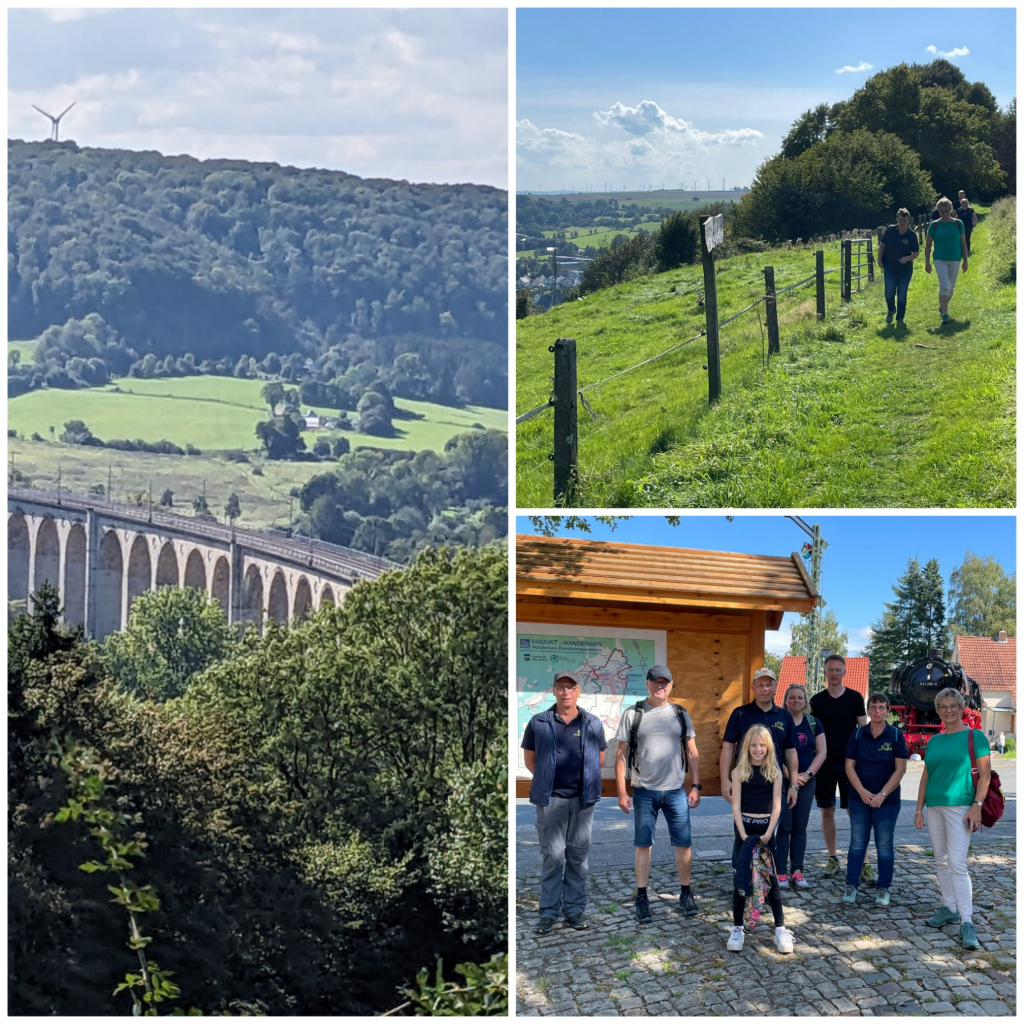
x=954 y=810
x=947 y=236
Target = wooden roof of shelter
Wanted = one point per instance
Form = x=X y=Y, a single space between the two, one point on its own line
x=589 y=570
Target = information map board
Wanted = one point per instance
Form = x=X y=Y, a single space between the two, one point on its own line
x=612 y=670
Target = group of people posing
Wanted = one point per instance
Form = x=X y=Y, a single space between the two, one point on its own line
x=947 y=247
x=774 y=762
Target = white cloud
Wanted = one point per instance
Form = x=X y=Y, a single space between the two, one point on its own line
x=647 y=118
x=862 y=66
x=959 y=51
x=376 y=93
x=60 y=14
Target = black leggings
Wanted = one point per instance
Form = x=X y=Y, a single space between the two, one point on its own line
x=774 y=894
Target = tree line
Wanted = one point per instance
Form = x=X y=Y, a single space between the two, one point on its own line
x=909 y=135
x=204 y=262
x=274 y=815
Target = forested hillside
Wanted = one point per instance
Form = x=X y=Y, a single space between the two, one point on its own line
x=290 y=824
x=206 y=262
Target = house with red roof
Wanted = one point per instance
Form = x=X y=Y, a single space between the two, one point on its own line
x=794 y=671
x=992 y=663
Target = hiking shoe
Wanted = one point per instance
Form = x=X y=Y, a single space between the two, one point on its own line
x=888 y=317
x=797 y=880
x=967 y=937
x=544 y=925
x=901 y=324
x=832 y=866
x=687 y=904
x=867 y=875
x=783 y=940
x=642 y=908
x=850 y=896
x=577 y=921
x=783 y=881
x=882 y=899
x=945 y=318
x=735 y=942
x=943 y=916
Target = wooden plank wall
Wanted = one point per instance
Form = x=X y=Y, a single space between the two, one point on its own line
x=711 y=655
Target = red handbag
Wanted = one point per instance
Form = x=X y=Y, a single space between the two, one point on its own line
x=994 y=803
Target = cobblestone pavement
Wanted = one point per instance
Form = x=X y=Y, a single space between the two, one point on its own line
x=848 y=961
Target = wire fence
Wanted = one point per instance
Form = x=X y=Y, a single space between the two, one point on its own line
x=856 y=264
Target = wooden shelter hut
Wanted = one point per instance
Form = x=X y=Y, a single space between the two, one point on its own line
x=615 y=609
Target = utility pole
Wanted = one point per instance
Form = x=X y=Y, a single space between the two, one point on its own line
x=813 y=675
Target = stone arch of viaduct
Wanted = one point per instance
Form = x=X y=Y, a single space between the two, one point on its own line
x=101 y=560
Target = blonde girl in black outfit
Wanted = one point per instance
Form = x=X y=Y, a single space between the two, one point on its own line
x=756 y=807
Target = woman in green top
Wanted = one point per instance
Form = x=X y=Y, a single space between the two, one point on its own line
x=954 y=810
x=947 y=235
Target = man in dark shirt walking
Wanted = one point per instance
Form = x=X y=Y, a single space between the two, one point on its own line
x=563 y=748
x=840 y=710
x=968 y=218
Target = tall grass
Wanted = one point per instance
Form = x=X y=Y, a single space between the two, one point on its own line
x=1002 y=251
x=851 y=414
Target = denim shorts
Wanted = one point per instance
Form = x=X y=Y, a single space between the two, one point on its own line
x=646 y=805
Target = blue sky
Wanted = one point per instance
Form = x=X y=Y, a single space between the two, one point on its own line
x=865 y=554
x=641 y=97
x=414 y=94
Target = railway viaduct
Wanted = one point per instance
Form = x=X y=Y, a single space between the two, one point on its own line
x=101 y=557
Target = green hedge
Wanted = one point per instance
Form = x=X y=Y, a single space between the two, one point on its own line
x=1002 y=221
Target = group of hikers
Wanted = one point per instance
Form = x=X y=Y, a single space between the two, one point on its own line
x=947 y=247
x=774 y=761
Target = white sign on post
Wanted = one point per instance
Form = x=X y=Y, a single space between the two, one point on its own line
x=714 y=231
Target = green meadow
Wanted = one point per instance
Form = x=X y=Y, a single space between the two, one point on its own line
x=216 y=413
x=852 y=413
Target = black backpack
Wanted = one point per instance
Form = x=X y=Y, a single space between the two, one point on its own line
x=634 y=732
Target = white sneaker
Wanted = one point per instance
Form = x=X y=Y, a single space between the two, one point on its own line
x=783 y=941
x=735 y=942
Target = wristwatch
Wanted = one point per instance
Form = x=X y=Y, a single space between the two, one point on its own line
x=696 y=785
x=979 y=803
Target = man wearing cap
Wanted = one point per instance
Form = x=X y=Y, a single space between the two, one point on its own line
x=762 y=710
x=563 y=748
x=656 y=732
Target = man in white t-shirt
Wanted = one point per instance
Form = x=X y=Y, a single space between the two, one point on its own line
x=651 y=739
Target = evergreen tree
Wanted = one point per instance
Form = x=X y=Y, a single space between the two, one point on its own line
x=911 y=625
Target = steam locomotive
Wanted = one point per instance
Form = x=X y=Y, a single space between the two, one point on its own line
x=912 y=692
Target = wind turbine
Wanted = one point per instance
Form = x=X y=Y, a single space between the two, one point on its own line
x=709 y=184
x=723 y=182
x=54 y=121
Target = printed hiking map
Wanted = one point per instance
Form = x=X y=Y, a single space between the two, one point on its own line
x=612 y=675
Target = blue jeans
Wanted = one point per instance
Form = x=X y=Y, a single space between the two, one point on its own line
x=646 y=805
x=791 y=838
x=896 y=284
x=862 y=820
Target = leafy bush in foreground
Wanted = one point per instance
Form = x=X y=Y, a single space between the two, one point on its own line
x=1002 y=256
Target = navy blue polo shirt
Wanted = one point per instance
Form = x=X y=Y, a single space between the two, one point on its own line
x=897 y=246
x=778 y=721
x=568 y=755
x=805 y=741
x=876 y=759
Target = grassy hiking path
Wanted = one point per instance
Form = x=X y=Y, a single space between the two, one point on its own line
x=851 y=414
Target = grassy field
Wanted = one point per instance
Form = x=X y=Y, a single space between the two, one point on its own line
x=851 y=414
x=212 y=413
x=215 y=413
x=676 y=199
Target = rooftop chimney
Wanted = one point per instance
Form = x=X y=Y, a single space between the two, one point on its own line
x=1001 y=639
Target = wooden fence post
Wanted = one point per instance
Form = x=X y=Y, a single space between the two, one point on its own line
x=819 y=275
x=711 y=316
x=847 y=281
x=771 y=313
x=871 y=264
x=565 y=454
